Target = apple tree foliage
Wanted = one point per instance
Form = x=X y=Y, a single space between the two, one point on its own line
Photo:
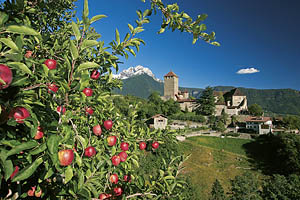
x=32 y=31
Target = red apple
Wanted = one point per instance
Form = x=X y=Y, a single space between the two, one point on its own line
x=65 y=157
x=50 y=63
x=155 y=145
x=127 y=178
x=31 y=192
x=114 y=178
x=97 y=130
x=6 y=75
x=38 y=194
x=116 y=160
x=108 y=124
x=28 y=54
x=52 y=88
x=104 y=196
x=89 y=110
x=111 y=140
x=142 y=145
x=15 y=172
x=118 y=191
x=19 y=114
x=61 y=109
x=124 y=146
x=123 y=156
x=90 y=151
x=39 y=134
x=88 y=92
x=95 y=74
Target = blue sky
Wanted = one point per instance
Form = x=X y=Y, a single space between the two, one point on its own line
x=259 y=34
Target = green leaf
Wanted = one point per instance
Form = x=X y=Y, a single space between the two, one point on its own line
x=20 y=82
x=87 y=65
x=74 y=51
x=80 y=179
x=21 y=30
x=97 y=17
x=216 y=44
x=8 y=42
x=21 y=66
x=10 y=143
x=147 y=13
x=28 y=171
x=52 y=143
x=8 y=169
x=169 y=177
x=130 y=28
x=88 y=43
x=76 y=31
x=127 y=37
x=135 y=162
x=3 y=18
x=85 y=13
x=69 y=174
x=117 y=37
x=39 y=149
x=202 y=27
x=22 y=147
x=49 y=173
x=161 y=30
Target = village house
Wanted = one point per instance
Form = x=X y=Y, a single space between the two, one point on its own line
x=158 y=121
x=261 y=125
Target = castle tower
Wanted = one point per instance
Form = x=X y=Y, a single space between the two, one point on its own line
x=170 y=85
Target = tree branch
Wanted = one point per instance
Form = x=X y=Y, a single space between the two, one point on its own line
x=140 y=194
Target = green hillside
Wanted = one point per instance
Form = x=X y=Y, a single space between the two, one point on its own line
x=279 y=101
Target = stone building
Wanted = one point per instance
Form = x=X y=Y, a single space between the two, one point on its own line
x=233 y=102
x=171 y=91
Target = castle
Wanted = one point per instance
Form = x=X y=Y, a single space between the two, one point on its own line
x=171 y=91
x=233 y=102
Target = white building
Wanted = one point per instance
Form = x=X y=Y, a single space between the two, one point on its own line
x=261 y=125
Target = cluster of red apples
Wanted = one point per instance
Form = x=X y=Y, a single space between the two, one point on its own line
x=66 y=156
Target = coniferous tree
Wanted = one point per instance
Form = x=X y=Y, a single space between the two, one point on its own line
x=206 y=103
x=217 y=192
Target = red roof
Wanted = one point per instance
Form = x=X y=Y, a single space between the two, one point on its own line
x=171 y=74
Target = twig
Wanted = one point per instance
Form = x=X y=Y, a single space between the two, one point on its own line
x=77 y=134
x=33 y=86
x=140 y=194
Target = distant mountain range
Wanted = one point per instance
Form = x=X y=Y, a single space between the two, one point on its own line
x=279 y=101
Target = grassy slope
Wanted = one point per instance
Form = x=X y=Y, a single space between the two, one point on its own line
x=214 y=158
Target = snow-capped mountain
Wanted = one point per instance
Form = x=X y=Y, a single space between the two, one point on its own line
x=134 y=71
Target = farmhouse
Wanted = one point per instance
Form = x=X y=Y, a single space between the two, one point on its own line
x=262 y=125
x=158 y=121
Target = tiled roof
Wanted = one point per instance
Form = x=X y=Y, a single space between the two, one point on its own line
x=185 y=100
x=171 y=74
x=258 y=119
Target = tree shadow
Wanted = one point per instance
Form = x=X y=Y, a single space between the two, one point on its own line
x=263 y=154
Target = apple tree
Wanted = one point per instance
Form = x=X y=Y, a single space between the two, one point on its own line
x=61 y=136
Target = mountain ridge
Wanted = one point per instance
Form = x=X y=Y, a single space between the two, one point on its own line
x=279 y=101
